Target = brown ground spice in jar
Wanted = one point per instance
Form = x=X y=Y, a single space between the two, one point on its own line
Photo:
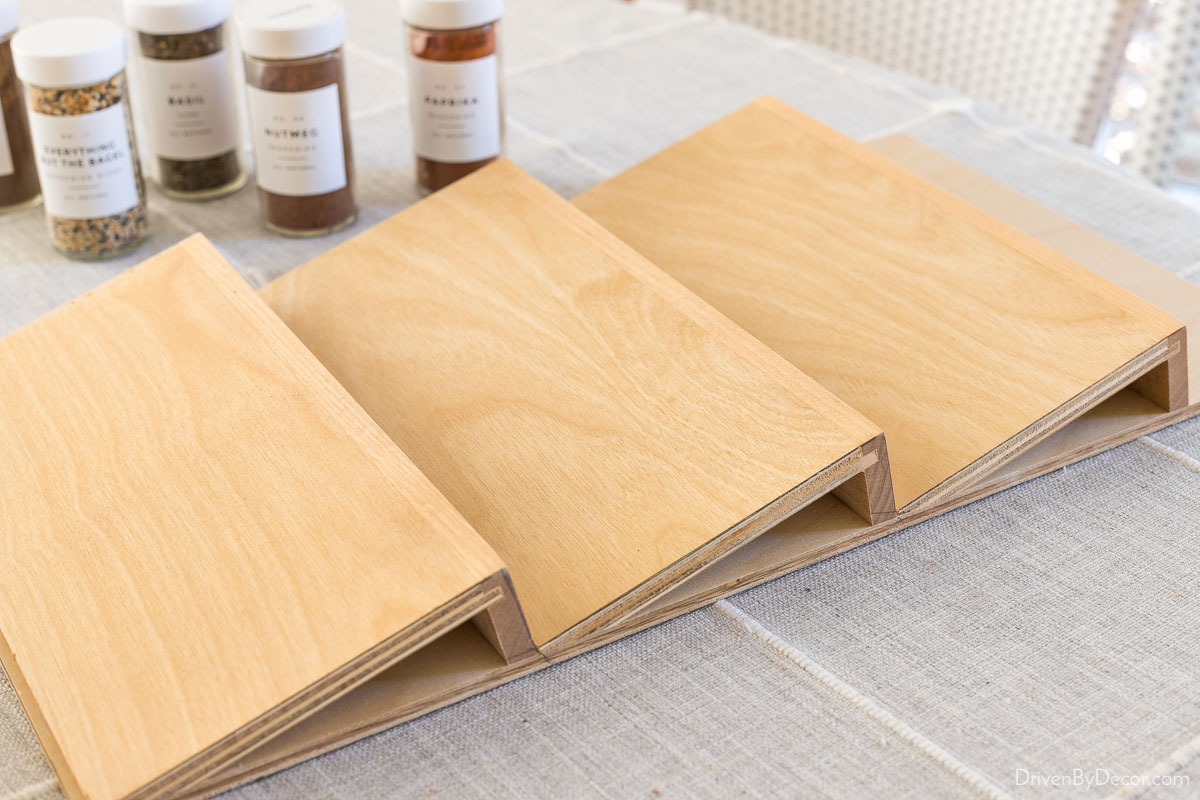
x=103 y=236
x=319 y=213
x=204 y=177
x=21 y=187
x=456 y=45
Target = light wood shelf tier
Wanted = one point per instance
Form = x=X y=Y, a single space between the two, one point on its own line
x=604 y=430
x=965 y=339
x=204 y=538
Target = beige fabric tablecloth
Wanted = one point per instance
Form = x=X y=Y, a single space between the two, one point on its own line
x=1049 y=629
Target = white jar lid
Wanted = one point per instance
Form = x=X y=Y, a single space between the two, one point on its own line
x=68 y=53
x=450 y=15
x=8 y=17
x=291 y=28
x=166 y=17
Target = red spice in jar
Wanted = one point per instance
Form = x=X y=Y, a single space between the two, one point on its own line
x=455 y=95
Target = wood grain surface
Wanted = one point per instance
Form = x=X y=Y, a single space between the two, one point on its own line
x=602 y=428
x=1163 y=289
x=964 y=339
x=460 y=664
x=204 y=538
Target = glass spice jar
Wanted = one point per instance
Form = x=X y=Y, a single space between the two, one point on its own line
x=299 y=114
x=186 y=93
x=454 y=88
x=74 y=75
x=18 y=174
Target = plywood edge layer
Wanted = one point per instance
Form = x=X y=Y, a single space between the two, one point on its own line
x=1161 y=354
x=869 y=493
x=257 y=732
x=873 y=498
x=1167 y=384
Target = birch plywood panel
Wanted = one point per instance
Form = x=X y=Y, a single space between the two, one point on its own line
x=459 y=665
x=203 y=537
x=1162 y=288
x=966 y=340
x=602 y=428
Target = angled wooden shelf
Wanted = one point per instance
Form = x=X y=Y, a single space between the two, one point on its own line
x=604 y=430
x=630 y=451
x=205 y=539
x=828 y=528
x=966 y=340
x=460 y=664
x=1129 y=412
x=1159 y=287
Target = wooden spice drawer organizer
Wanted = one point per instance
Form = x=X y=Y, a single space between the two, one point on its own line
x=501 y=429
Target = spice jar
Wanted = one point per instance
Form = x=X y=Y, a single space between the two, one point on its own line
x=74 y=76
x=454 y=87
x=18 y=174
x=299 y=115
x=186 y=93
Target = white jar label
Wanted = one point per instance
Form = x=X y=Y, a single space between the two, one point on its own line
x=84 y=163
x=298 y=141
x=191 y=106
x=6 y=159
x=455 y=108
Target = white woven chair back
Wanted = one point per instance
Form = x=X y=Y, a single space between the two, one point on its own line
x=1050 y=63
x=1170 y=90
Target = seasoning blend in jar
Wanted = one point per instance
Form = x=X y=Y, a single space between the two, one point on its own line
x=187 y=95
x=454 y=87
x=18 y=174
x=74 y=76
x=299 y=114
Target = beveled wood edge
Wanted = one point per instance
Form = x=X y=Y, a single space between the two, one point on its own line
x=503 y=623
x=1166 y=385
x=869 y=493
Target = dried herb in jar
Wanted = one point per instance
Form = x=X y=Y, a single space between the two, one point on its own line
x=18 y=175
x=73 y=71
x=187 y=95
x=455 y=96
x=299 y=114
